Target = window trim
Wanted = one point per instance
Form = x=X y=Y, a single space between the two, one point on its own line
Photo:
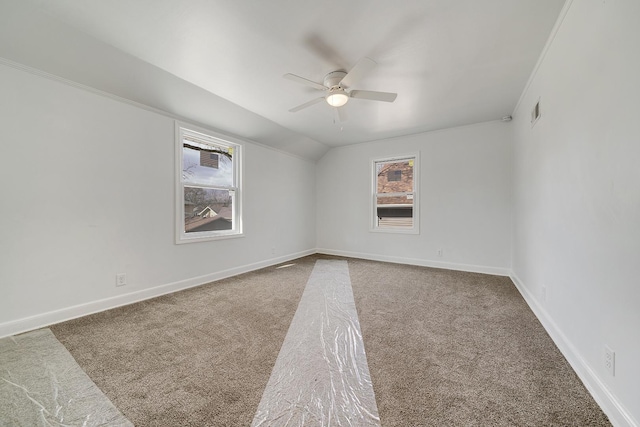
x=373 y=212
x=181 y=237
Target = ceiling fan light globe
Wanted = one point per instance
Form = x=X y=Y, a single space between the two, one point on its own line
x=337 y=99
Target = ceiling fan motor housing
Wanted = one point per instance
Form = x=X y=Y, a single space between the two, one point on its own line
x=334 y=78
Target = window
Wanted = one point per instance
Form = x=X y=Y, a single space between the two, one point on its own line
x=394 y=175
x=395 y=195
x=208 y=187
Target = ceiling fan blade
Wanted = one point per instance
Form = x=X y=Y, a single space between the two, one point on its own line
x=306 y=104
x=375 y=96
x=358 y=71
x=304 y=81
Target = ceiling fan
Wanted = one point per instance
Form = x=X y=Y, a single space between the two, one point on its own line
x=336 y=84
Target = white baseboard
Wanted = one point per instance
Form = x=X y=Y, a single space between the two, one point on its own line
x=498 y=271
x=616 y=412
x=45 y=319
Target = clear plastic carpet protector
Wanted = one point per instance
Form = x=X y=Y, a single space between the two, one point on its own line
x=321 y=376
x=42 y=385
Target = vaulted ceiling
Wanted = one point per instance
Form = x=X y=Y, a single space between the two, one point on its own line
x=451 y=62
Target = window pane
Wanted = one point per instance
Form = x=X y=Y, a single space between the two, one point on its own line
x=395 y=176
x=207 y=164
x=395 y=211
x=207 y=209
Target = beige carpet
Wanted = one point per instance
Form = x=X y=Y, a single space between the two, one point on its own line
x=200 y=357
x=443 y=347
x=463 y=349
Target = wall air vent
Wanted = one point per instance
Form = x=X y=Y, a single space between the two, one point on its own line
x=535 y=113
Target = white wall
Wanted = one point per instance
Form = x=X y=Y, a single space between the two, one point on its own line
x=577 y=197
x=465 y=199
x=87 y=191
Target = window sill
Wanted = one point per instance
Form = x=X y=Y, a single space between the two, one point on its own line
x=394 y=230
x=182 y=240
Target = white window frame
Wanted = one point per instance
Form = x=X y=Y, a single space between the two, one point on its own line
x=206 y=136
x=373 y=213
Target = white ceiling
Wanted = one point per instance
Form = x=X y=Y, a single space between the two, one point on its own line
x=452 y=62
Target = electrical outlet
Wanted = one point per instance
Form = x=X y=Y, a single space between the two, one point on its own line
x=610 y=360
x=121 y=279
x=273 y=250
x=543 y=293
x=439 y=252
